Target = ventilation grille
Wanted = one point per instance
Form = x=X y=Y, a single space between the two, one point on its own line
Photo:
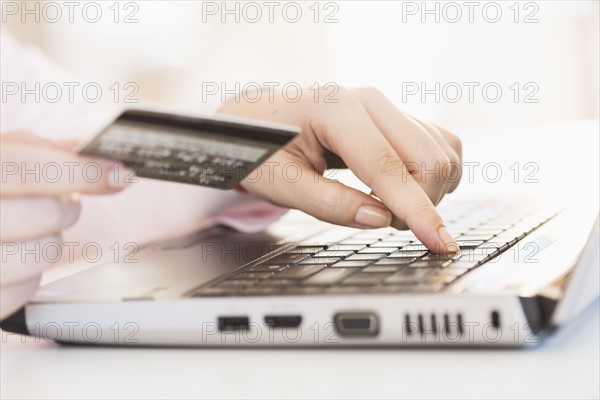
x=423 y=324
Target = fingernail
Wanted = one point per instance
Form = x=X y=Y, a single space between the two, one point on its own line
x=373 y=217
x=448 y=242
x=117 y=177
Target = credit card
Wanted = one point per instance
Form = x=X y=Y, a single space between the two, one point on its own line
x=213 y=152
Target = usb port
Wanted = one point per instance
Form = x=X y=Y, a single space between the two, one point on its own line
x=238 y=323
x=283 y=321
x=357 y=323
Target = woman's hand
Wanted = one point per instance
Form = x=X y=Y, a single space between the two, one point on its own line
x=38 y=199
x=409 y=164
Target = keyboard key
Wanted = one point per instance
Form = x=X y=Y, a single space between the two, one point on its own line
x=328 y=276
x=436 y=257
x=313 y=260
x=378 y=250
x=409 y=276
x=408 y=253
x=309 y=250
x=333 y=253
x=390 y=244
x=363 y=279
x=363 y=257
x=380 y=268
x=300 y=271
x=351 y=264
x=415 y=247
x=396 y=261
x=346 y=247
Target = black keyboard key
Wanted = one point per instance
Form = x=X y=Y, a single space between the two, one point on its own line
x=328 y=276
x=300 y=271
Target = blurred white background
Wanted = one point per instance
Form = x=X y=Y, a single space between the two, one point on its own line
x=549 y=49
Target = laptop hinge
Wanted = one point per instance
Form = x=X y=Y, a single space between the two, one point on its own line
x=15 y=323
x=538 y=311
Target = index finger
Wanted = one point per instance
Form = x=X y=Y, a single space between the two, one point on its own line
x=29 y=170
x=373 y=159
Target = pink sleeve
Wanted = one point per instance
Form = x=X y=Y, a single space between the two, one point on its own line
x=151 y=210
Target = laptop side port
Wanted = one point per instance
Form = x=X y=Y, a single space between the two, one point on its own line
x=283 y=321
x=356 y=323
x=234 y=323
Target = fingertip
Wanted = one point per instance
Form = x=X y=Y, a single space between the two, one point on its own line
x=117 y=177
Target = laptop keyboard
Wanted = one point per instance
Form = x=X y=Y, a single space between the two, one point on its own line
x=386 y=260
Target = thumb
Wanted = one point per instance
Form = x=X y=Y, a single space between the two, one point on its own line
x=41 y=169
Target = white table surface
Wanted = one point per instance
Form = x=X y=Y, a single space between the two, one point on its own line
x=566 y=365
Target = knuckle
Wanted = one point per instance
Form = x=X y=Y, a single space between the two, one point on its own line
x=455 y=142
x=389 y=164
x=371 y=91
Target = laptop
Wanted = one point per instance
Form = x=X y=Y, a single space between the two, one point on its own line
x=525 y=268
